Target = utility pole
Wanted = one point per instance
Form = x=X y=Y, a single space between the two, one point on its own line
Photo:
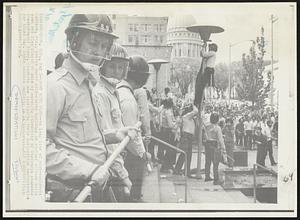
x=229 y=68
x=273 y=19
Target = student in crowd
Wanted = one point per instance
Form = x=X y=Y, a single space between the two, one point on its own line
x=269 y=144
x=260 y=141
x=213 y=142
x=248 y=133
x=168 y=125
x=207 y=78
x=186 y=140
x=154 y=123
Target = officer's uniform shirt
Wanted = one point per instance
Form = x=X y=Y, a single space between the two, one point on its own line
x=130 y=115
x=141 y=98
x=107 y=104
x=74 y=142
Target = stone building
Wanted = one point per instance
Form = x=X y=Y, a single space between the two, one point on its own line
x=146 y=36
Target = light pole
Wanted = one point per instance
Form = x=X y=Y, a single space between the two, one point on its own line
x=205 y=31
x=273 y=19
x=157 y=63
x=229 y=66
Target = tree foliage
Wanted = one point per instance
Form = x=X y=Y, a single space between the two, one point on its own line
x=183 y=72
x=251 y=86
x=222 y=76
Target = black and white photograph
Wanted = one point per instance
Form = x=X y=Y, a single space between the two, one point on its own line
x=139 y=104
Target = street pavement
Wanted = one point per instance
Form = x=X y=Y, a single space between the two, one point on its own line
x=167 y=188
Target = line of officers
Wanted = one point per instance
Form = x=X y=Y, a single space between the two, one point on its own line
x=91 y=107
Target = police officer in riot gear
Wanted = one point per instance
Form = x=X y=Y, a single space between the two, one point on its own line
x=138 y=73
x=107 y=100
x=76 y=146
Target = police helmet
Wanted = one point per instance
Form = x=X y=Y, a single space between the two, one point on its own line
x=138 y=70
x=98 y=23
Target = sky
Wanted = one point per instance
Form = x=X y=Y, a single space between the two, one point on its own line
x=242 y=22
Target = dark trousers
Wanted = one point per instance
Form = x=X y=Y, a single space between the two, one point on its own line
x=209 y=158
x=269 y=150
x=229 y=151
x=261 y=154
x=201 y=81
x=186 y=145
x=135 y=168
x=164 y=153
x=239 y=138
x=248 y=139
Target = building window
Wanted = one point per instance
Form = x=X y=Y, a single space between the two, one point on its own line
x=136 y=27
x=161 y=39
x=130 y=38
x=156 y=27
x=161 y=27
x=156 y=38
x=115 y=26
x=146 y=27
x=179 y=52
x=113 y=16
x=145 y=38
x=130 y=27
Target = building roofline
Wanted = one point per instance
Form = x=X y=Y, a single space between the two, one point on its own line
x=127 y=45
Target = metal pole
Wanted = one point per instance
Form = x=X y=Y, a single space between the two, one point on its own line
x=185 y=178
x=229 y=68
x=254 y=182
x=272 y=62
x=200 y=145
x=198 y=174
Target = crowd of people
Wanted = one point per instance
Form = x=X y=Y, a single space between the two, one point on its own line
x=175 y=119
x=96 y=98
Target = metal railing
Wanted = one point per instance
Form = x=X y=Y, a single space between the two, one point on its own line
x=185 y=162
x=254 y=177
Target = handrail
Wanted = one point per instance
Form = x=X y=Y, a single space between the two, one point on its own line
x=254 y=177
x=185 y=162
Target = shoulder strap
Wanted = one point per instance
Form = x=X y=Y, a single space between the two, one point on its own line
x=125 y=86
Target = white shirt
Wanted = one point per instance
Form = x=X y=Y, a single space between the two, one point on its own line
x=247 y=125
x=188 y=123
x=268 y=132
x=211 y=58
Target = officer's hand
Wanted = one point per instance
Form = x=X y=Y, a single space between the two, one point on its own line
x=147 y=140
x=123 y=132
x=100 y=176
x=146 y=156
x=127 y=185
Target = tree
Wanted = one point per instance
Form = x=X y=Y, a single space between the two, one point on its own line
x=184 y=72
x=221 y=78
x=251 y=86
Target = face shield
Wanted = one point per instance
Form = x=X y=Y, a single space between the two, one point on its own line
x=90 y=49
x=114 y=70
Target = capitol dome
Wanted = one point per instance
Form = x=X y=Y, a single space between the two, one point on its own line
x=184 y=43
x=178 y=22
